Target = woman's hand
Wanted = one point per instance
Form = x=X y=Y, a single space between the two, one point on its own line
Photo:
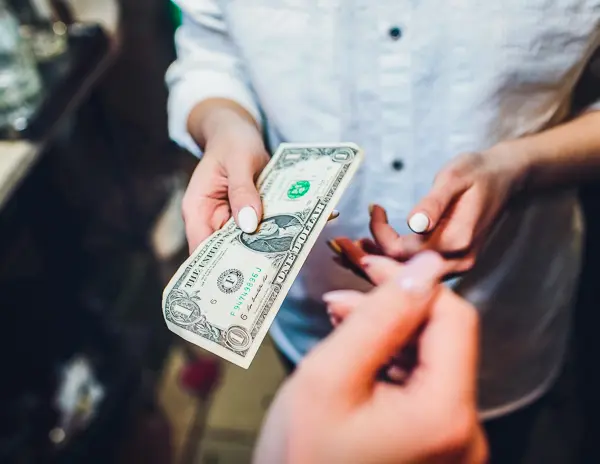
x=223 y=183
x=457 y=215
x=335 y=408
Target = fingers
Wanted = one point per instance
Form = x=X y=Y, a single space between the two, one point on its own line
x=243 y=195
x=382 y=324
x=341 y=303
x=454 y=238
x=197 y=207
x=385 y=236
x=459 y=265
x=448 y=349
x=463 y=220
x=379 y=219
x=429 y=211
x=388 y=240
x=369 y=246
x=196 y=232
x=350 y=250
x=379 y=269
x=245 y=199
x=348 y=255
x=202 y=217
x=354 y=257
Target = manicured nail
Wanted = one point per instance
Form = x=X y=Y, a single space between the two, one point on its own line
x=248 y=219
x=396 y=374
x=421 y=273
x=419 y=223
x=334 y=320
x=371 y=208
x=339 y=296
x=334 y=215
x=334 y=246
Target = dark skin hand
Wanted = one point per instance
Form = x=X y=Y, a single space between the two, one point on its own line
x=473 y=190
x=467 y=197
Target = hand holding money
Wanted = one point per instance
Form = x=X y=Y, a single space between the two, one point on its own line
x=223 y=183
x=227 y=293
x=335 y=408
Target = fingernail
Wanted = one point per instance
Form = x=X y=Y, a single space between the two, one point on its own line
x=334 y=214
x=333 y=318
x=371 y=207
x=397 y=374
x=334 y=246
x=419 y=223
x=338 y=296
x=421 y=273
x=247 y=219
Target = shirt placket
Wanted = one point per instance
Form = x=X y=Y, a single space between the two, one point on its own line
x=396 y=102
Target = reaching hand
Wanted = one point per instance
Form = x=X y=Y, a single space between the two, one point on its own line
x=455 y=218
x=335 y=408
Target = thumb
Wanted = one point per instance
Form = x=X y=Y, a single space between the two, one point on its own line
x=244 y=198
x=382 y=325
x=449 y=347
x=427 y=214
x=271 y=445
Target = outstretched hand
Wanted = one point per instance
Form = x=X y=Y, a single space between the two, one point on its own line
x=336 y=408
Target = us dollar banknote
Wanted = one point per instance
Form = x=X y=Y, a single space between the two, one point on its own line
x=225 y=296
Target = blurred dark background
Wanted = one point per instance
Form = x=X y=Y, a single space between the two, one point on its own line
x=87 y=174
x=90 y=232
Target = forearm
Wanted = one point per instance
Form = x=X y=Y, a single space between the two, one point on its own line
x=213 y=114
x=565 y=155
x=208 y=78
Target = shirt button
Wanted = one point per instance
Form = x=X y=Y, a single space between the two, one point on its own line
x=398 y=165
x=395 y=33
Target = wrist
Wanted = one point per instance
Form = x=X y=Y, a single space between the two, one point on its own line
x=516 y=159
x=563 y=156
x=214 y=116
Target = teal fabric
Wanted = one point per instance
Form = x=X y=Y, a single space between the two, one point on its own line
x=175 y=14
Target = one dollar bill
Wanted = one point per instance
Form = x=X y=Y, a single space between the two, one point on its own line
x=226 y=294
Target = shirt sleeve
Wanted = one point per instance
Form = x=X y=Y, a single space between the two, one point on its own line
x=207 y=66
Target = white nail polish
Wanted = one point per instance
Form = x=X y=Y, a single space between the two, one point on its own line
x=247 y=219
x=418 y=223
x=339 y=296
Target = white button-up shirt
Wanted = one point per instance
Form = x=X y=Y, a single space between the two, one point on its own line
x=414 y=83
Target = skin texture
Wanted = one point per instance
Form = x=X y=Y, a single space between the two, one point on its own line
x=223 y=183
x=336 y=409
x=466 y=198
x=470 y=193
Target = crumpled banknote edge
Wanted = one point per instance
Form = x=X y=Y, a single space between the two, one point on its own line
x=318 y=229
